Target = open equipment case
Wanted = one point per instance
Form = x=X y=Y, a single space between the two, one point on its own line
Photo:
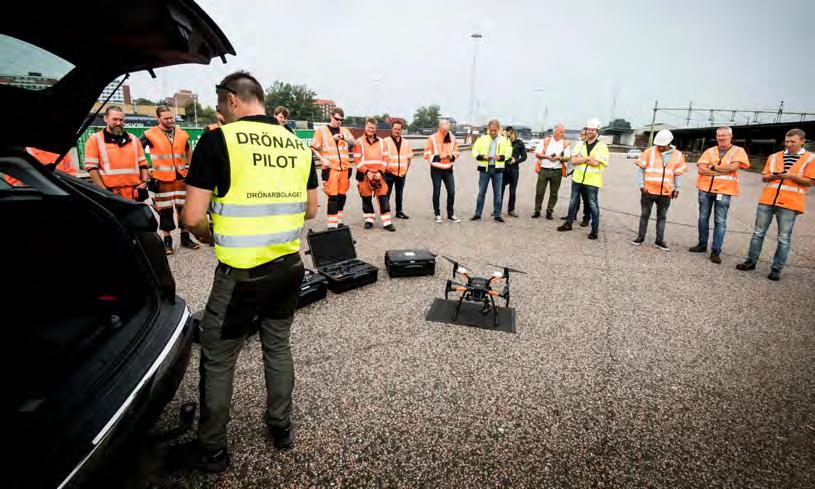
x=333 y=254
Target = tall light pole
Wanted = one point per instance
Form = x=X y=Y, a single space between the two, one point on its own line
x=539 y=93
x=195 y=108
x=475 y=37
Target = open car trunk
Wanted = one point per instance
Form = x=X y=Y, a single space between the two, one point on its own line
x=88 y=305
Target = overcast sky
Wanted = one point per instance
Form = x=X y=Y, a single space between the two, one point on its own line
x=568 y=56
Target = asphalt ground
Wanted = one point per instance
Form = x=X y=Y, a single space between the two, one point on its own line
x=630 y=367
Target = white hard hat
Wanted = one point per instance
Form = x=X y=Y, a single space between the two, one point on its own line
x=663 y=138
x=593 y=124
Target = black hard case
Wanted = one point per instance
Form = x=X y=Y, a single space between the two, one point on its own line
x=334 y=256
x=410 y=263
x=313 y=288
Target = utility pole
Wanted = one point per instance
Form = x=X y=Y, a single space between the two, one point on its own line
x=690 y=109
x=653 y=123
x=475 y=37
x=780 y=111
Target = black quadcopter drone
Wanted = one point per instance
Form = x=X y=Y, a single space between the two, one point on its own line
x=478 y=289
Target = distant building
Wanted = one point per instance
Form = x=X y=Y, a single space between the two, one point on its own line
x=181 y=98
x=120 y=96
x=325 y=106
x=31 y=81
x=643 y=134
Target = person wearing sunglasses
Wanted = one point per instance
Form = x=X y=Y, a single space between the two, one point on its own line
x=332 y=145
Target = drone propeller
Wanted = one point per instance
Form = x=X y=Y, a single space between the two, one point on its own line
x=513 y=270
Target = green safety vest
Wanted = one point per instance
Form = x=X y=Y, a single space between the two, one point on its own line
x=262 y=214
x=482 y=147
x=591 y=175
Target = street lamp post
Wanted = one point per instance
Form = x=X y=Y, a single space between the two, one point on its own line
x=475 y=37
x=539 y=92
x=195 y=108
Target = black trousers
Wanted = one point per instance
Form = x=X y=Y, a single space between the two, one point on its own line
x=336 y=203
x=511 y=175
x=399 y=183
x=446 y=176
x=647 y=201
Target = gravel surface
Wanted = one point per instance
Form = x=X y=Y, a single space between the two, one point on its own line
x=631 y=366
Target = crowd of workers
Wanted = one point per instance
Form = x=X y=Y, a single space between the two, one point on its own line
x=258 y=183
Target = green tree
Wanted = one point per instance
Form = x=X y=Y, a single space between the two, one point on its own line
x=426 y=117
x=299 y=99
x=206 y=114
x=145 y=101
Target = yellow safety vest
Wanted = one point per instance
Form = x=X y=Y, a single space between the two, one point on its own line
x=262 y=214
x=591 y=175
x=502 y=147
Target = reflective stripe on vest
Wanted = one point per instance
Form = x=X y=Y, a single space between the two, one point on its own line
x=441 y=164
x=103 y=154
x=261 y=217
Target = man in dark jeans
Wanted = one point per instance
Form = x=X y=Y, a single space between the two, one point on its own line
x=512 y=171
x=586 y=210
x=441 y=151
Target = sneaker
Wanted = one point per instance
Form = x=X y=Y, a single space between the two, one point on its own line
x=746 y=266
x=567 y=226
x=638 y=241
x=390 y=227
x=549 y=215
x=662 y=246
x=698 y=249
x=513 y=214
x=168 y=245
x=592 y=235
x=475 y=218
x=283 y=438
x=498 y=219
x=193 y=455
x=453 y=218
x=536 y=215
x=368 y=225
x=775 y=275
x=714 y=257
x=437 y=218
x=401 y=215
x=188 y=242
x=584 y=223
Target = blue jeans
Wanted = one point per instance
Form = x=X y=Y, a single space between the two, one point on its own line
x=589 y=194
x=707 y=202
x=497 y=179
x=786 y=220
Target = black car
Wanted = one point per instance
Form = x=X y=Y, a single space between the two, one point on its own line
x=95 y=340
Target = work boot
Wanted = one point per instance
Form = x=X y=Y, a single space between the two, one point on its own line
x=283 y=438
x=549 y=215
x=536 y=214
x=714 y=257
x=188 y=242
x=498 y=219
x=662 y=246
x=368 y=225
x=168 y=245
x=775 y=275
x=401 y=215
x=390 y=227
x=566 y=226
x=585 y=222
x=593 y=235
x=638 y=241
x=746 y=266
x=475 y=218
x=513 y=214
x=193 y=455
x=698 y=249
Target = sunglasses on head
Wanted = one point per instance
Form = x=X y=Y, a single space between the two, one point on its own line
x=226 y=88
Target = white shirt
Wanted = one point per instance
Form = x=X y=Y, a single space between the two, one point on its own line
x=555 y=148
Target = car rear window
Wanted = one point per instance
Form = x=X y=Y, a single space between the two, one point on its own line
x=27 y=66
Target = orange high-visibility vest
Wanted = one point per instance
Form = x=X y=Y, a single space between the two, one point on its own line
x=659 y=177
x=212 y=127
x=118 y=165
x=371 y=157
x=399 y=160
x=786 y=193
x=722 y=184
x=546 y=141
x=333 y=154
x=435 y=145
x=47 y=157
x=167 y=157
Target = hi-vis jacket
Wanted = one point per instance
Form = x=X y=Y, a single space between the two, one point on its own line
x=482 y=148
x=722 y=184
x=333 y=154
x=118 y=166
x=659 y=177
x=586 y=174
x=399 y=160
x=168 y=157
x=443 y=146
x=786 y=193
